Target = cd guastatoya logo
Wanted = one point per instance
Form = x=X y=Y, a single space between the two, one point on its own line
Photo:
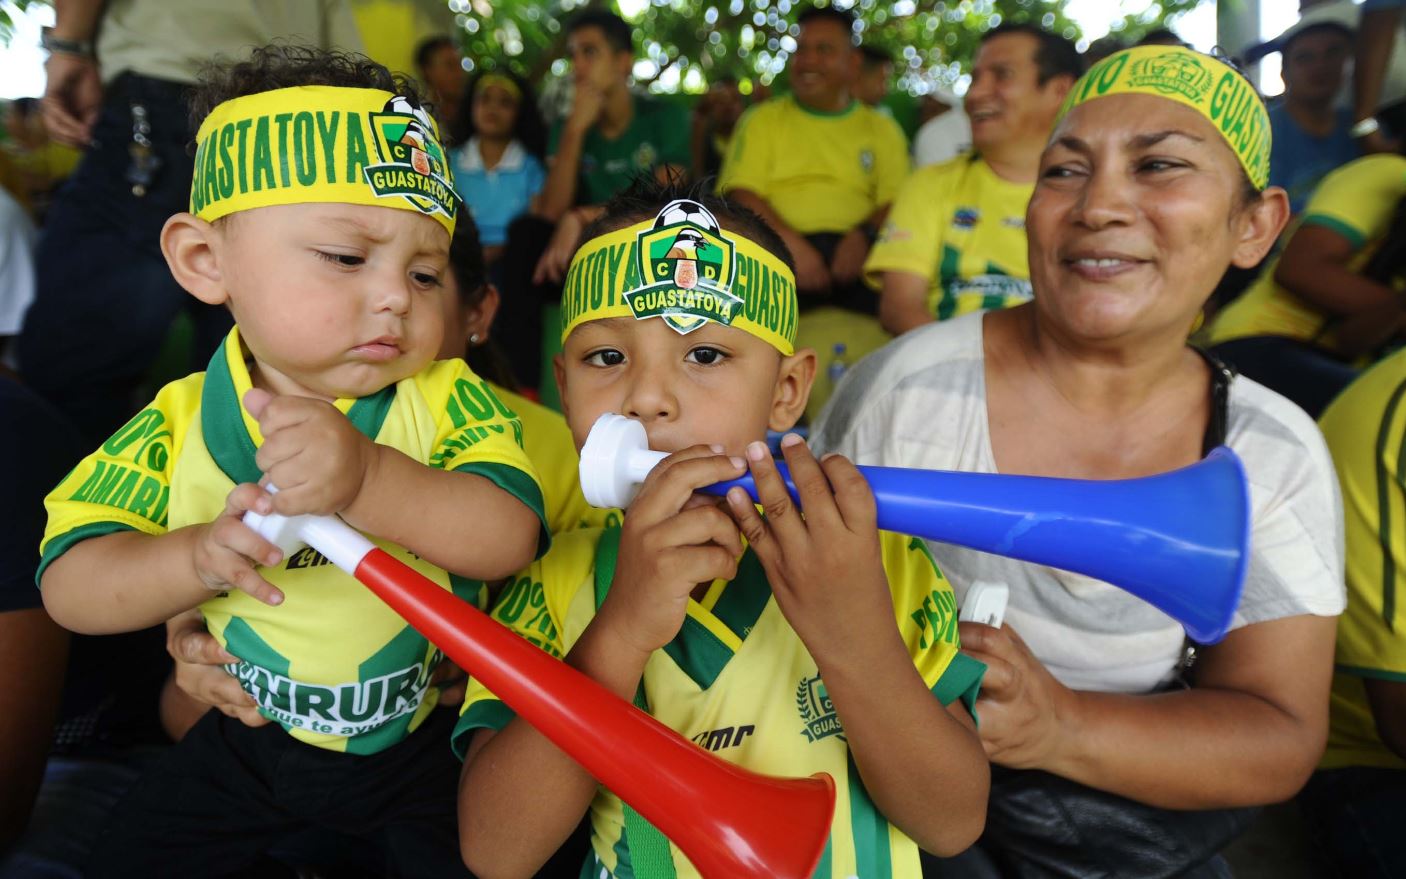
x=686 y=269
x=413 y=164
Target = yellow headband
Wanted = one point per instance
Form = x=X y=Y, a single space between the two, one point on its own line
x=321 y=144
x=682 y=267
x=503 y=82
x=1210 y=87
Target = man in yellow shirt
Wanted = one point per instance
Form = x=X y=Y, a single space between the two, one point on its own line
x=1357 y=796
x=955 y=240
x=821 y=168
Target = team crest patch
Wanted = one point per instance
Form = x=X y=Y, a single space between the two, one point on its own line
x=686 y=270
x=817 y=711
x=1172 y=73
x=413 y=164
x=966 y=218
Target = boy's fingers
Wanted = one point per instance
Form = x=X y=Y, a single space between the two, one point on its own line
x=783 y=519
x=671 y=484
x=750 y=522
x=248 y=496
x=812 y=485
x=853 y=497
x=704 y=564
x=235 y=536
x=245 y=579
x=701 y=525
x=256 y=400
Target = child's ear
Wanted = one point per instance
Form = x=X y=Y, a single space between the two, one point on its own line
x=793 y=381
x=191 y=251
x=480 y=318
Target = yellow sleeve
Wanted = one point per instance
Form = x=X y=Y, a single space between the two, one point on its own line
x=911 y=239
x=475 y=433
x=126 y=484
x=747 y=164
x=1358 y=200
x=927 y=620
x=892 y=160
x=1365 y=428
x=534 y=606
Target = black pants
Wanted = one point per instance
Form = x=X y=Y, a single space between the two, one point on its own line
x=228 y=795
x=105 y=298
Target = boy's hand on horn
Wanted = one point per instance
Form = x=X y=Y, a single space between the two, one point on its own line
x=672 y=540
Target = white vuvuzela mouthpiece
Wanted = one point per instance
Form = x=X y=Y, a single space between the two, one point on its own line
x=615 y=460
x=342 y=544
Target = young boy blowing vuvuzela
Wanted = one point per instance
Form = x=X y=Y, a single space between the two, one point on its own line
x=321 y=214
x=788 y=644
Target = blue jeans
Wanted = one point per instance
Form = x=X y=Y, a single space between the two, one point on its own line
x=1357 y=814
x=105 y=298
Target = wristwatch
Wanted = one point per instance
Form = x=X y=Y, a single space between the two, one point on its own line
x=81 y=48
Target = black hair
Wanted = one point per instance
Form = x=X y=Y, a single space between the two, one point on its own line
x=1054 y=55
x=529 y=129
x=280 y=65
x=617 y=31
x=645 y=197
x=842 y=17
x=874 y=56
x=429 y=46
x=471 y=284
x=24 y=107
x=1162 y=36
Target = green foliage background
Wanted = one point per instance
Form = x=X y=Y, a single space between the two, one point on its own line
x=932 y=41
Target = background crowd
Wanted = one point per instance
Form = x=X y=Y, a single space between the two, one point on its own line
x=903 y=246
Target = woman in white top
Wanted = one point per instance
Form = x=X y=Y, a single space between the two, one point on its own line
x=1108 y=759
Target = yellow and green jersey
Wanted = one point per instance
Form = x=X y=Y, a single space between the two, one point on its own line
x=1366 y=432
x=333 y=664
x=549 y=446
x=820 y=172
x=962 y=228
x=1357 y=201
x=738 y=681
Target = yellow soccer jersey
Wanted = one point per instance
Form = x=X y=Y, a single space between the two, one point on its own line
x=1365 y=428
x=549 y=446
x=739 y=682
x=1357 y=201
x=333 y=664
x=820 y=172
x=962 y=228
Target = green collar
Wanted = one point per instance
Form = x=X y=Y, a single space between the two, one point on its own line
x=231 y=433
x=830 y=114
x=708 y=638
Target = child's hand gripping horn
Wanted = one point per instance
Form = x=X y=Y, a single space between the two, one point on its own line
x=772 y=827
x=1179 y=540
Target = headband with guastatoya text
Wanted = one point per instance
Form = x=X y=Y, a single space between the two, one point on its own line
x=321 y=144
x=684 y=268
x=1201 y=82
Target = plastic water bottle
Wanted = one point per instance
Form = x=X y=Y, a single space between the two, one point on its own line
x=836 y=370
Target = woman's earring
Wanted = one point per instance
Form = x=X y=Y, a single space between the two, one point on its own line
x=473 y=338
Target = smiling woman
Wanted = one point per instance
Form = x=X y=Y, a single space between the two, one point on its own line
x=1150 y=186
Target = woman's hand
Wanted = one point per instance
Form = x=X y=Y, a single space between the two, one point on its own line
x=199 y=671
x=1024 y=711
